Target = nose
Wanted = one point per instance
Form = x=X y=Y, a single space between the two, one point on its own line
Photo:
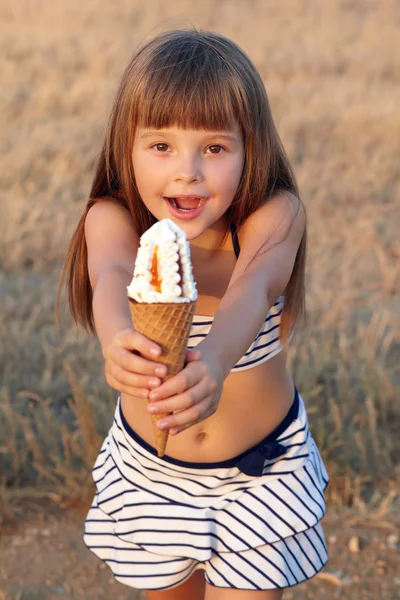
x=188 y=169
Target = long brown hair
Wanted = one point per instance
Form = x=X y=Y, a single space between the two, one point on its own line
x=196 y=80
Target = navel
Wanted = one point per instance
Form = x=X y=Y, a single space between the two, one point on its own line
x=200 y=437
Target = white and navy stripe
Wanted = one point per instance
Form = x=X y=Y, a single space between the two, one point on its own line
x=265 y=346
x=155 y=520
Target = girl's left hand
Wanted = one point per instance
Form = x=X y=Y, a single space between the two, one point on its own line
x=192 y=395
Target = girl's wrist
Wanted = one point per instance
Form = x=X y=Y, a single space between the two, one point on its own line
x=211 y=354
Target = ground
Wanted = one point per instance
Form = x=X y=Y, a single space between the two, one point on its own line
x=45 y=559
x=332 y=78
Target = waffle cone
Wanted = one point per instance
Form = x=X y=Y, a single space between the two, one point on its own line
x=168 y=325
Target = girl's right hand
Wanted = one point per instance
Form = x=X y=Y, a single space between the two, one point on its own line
x=128 y=364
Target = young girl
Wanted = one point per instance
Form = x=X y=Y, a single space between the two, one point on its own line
x=233 y=510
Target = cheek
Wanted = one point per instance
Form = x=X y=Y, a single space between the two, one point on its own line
x=232 y=175
x=139 y=162
x=149 y=170
x=140 y=181
x=144 y=175
x=143 y=185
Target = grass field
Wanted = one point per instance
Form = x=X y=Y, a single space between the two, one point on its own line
x=332 y=73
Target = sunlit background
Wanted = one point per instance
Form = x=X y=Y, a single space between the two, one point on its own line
x=332 y=73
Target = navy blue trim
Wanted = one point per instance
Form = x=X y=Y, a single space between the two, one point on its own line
x=230 y=462
x=235 y=240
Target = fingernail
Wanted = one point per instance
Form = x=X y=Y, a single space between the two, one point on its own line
x=161 y=371
x=162 y=424
x=155 y=351
x=154 y=396
x=152 y=409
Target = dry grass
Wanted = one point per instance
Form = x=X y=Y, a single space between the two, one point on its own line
x=332 y=74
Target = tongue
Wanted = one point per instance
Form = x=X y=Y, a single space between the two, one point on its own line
x=187 y=202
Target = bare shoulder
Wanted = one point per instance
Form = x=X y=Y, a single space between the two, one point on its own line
x=111 y=238
x=106 y=213
x=279 y=216
x=269 y=242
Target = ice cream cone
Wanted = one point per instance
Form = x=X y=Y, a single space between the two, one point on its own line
x=168 y=325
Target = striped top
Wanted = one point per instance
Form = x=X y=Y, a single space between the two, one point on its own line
x=265 y=346
x=267 y=343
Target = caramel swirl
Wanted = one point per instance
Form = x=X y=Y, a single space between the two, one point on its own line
x=154 y=271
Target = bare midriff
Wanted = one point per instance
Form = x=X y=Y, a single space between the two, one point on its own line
x=249 y=409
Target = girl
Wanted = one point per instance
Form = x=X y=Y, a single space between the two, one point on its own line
x=233 y=511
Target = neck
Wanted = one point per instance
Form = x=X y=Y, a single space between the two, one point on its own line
x=210 y=241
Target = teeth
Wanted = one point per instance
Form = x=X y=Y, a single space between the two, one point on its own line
x=174 y=204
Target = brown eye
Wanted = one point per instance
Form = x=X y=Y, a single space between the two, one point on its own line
x=215 y=149
x=161 y=147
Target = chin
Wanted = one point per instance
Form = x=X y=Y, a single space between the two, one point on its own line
x=192 y=230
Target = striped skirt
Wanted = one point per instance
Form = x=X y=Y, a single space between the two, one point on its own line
x=251 y=522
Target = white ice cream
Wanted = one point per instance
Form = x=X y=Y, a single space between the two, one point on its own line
x=165 y=246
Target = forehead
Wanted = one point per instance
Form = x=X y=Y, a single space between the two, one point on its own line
x=233 y=133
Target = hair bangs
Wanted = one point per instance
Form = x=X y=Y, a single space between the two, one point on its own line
x=189 y=94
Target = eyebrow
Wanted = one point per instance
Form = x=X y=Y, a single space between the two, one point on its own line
x=213 y=134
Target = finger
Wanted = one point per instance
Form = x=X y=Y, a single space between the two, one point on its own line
x=188 y=400
x=139 y=393
x=133 y=340
x=187 y=378
x=192 y=355
x=146 y=367
x=177 y=402
x=136 y=364
x=132 y=379
x=187 y=417
x=175 y=430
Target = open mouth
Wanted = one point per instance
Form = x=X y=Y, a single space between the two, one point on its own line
x=186 y=204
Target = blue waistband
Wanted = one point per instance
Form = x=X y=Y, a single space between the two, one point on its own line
x=230 y=462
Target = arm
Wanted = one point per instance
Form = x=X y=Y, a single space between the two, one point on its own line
x=112 y=245
x=236 y=323
x=259 y=278
x=270 y=239
x=110 y=305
